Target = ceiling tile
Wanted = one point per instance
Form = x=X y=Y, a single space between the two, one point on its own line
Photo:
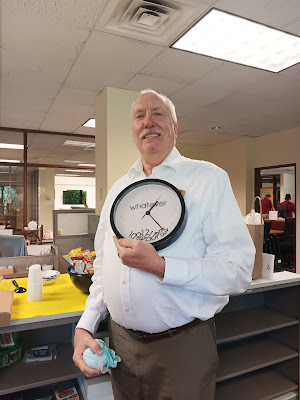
x=70 y=12
x=66 y=119
x=111 y=51
x=275 y=13
x=94 y=78
x=180 y=66
x=21 y=93
x=195 y=96
x=140 y=82
x=231 y=76
x=16 y=64
x=35 y=36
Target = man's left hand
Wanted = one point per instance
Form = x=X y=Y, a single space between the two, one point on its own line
x=140 y=255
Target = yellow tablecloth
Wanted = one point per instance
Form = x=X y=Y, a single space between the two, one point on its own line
x=58 y=298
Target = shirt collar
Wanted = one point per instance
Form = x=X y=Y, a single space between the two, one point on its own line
x=171 y=161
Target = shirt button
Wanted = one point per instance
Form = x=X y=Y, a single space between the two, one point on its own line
x=123 y=281
x=126 y=309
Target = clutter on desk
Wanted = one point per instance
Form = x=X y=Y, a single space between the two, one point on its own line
x=40 y=353
x=49 y=277
x=9 y=339
x=81 y=261
x=52 y=392
x=35 y=283
x=10 y=355
x=102 y=362
x=6 y=302
x=65 y=391
x=4 y=284
x=7 y=269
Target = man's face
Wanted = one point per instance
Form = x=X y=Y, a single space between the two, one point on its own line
x=153 y=130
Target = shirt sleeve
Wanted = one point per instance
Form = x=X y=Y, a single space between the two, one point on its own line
x=95 y=310
x=227 y=265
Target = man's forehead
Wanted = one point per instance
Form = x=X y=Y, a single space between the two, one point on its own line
x=148 y=100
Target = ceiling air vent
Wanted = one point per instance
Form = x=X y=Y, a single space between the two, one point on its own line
x=157 y=22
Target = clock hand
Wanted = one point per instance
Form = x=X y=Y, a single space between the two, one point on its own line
x=156 y=221
x=148 y=211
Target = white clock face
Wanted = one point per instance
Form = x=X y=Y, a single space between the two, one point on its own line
x=150 y=210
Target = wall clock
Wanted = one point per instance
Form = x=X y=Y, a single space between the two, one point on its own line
x=151 y=210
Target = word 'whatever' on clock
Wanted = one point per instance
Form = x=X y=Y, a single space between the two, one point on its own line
x=148 y=235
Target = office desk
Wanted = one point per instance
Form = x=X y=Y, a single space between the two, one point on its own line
x=46 y=322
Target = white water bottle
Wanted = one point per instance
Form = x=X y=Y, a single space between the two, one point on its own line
x=35 y=283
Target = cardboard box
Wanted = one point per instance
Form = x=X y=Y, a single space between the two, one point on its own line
x=6 y=271
x=6 y=302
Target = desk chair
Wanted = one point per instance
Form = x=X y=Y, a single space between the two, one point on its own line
x=287 y=244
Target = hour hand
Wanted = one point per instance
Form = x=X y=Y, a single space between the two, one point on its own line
x=148 y=211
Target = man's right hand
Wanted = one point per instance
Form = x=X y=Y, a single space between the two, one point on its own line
x=82 y=340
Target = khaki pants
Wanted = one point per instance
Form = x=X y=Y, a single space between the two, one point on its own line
x=182 y=367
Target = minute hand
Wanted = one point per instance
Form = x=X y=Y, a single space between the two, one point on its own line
x=148 y=211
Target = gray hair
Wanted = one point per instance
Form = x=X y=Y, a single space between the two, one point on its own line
x=165 y=99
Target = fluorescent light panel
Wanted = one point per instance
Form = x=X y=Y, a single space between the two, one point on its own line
x=76 y=143
x=232 y=38
x=66 y=175
x=79 y=170
x=11 y=161
x=72 y=162
x=11 y=146
x=90 y=123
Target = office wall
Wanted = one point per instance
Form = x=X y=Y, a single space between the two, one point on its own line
x=239 y=158
x=74 y=183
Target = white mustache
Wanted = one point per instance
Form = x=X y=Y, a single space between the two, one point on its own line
x=150 y=131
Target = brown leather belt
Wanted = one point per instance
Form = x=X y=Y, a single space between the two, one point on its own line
x=151 y=337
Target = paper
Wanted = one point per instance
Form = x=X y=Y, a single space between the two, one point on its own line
x=268 y=265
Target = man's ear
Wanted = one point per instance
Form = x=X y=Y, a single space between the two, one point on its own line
x=176 y=130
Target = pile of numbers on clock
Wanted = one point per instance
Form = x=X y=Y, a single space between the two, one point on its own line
x=148 y=235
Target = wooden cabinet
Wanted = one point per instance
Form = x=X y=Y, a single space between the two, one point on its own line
x=258 y=342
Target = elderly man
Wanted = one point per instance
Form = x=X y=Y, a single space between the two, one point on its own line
x=162 y=303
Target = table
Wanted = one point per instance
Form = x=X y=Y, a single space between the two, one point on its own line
x=46 y=322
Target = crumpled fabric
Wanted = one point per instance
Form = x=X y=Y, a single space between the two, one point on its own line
x=102 y=362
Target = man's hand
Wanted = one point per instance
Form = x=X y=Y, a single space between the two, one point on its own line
x=82 y=340
x=140 y=255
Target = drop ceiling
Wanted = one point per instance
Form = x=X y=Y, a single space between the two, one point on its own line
x=56 y=57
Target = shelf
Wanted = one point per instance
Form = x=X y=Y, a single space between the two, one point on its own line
x=248 y=322
x=242 y=357
x=21 y=376
x=260 y=385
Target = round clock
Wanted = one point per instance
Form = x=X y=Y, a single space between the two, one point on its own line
x=151 y=210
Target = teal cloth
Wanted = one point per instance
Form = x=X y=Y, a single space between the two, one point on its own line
x=13 y=245
x=102 y=362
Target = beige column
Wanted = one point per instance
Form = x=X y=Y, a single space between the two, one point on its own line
x=115 y=152
x=46 y=198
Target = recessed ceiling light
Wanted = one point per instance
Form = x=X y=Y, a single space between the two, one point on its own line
x=90 y=123
x=86 y=165
x=216 y=128
x=11 y=146
x=79 y=170
x=233 y=38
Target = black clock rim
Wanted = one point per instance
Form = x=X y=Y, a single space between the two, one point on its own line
x=176 y=232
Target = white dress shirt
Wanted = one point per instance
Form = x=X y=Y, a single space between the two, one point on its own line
x=212 y=258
